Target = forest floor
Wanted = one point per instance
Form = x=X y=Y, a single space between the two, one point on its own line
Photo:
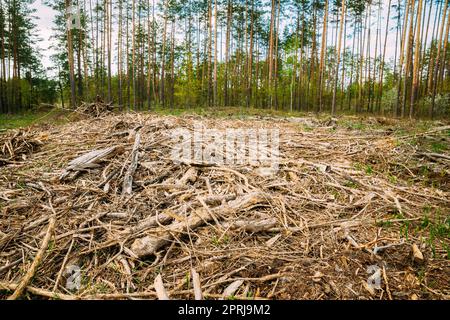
x=358 y=209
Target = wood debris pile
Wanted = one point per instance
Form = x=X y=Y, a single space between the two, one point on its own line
x=96 y=109
x=17 y=145
x=122 y=220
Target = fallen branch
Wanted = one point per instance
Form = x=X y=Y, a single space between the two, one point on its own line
x=127 y=186
x=36 y=262
x=90 y=160
x=149 y=245
x=252 y=226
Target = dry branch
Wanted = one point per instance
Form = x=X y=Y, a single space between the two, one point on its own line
x=90 y=160
x=36 y=262
x=128 y=179
x=150 y=244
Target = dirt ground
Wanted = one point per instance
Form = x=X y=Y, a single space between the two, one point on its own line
x=358 y=209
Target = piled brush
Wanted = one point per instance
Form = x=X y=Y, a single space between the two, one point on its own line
x=138 y=225
x=17 y=145
x=96 y=109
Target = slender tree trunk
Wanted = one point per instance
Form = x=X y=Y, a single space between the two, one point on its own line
x=276 y=56
x=430 y=72
x=133 y=52
x=444 y=55
x=163 y=64
x=270 y=57
x=149 y=58
x=408 y=58
x=341 y=96
x=172 y=63
x=322 y=56
x=215 y=56
x=380 y=95
x=438 y=61
x=73 y=100
x=250 y=59
x=109 y=19
x=119 y=55
x=227 y=52
x=415 y=83
x=402 y=56
x=341 y=27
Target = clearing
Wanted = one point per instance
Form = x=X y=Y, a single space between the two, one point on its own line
x=353 y=198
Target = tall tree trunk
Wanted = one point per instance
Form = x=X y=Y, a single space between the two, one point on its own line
x=250 y=58
x=444 y=55
x=172 y=63
x=3 y=102
x=227 y=52
x=209 y=62
x=119 y=55
x=270 y=56
x=215 y=55
x=341 y=27
x=109 y=21
x=133 y=52
x=402 y=56
x=149 y=58
x=415 y=82
x=322 y=56
x=380 y=95
x=276 y=56
x=163 y=63
x=438 y=61
x=73 y=99
x=408 y=58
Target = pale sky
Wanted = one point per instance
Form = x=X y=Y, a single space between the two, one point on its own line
x=44 y=24
x=46 y=16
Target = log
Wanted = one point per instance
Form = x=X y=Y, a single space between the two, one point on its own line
x=127 y=186
x=150 y=244
x=90 y=160
x=163 y=219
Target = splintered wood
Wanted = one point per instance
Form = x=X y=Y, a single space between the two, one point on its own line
x=102 y=197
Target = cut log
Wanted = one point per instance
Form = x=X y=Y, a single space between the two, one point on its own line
x=150 y=244
x=90 y=160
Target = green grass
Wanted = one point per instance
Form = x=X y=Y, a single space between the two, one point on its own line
x=22 y=120
x=225 y=112
x=438 y=147
x=438 y=231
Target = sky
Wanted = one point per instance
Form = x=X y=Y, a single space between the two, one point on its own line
x=44 y=25
x=46 y=16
